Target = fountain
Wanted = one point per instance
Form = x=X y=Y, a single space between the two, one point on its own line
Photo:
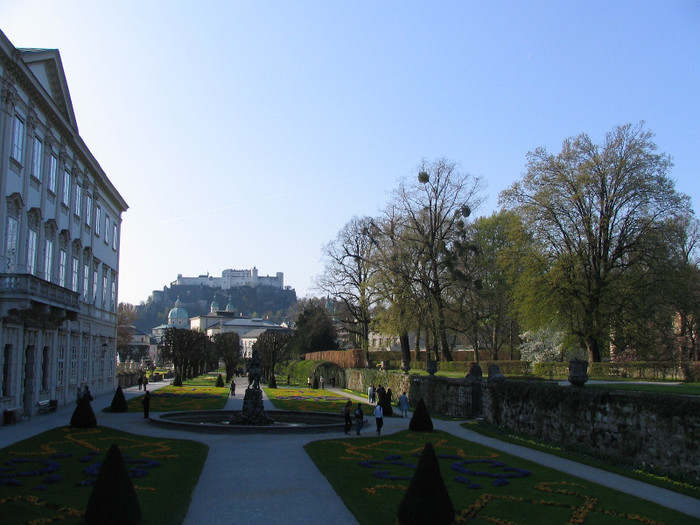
x=252 y=418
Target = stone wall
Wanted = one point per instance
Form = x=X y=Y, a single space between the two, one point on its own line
x=359 y=379
x=661 y=431
x=442 y=396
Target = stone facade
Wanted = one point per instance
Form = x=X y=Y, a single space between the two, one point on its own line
x=60 y=228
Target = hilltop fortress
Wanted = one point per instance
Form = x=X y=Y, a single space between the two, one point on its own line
x=232 y=279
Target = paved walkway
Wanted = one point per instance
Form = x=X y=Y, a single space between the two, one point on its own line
x=259 y=479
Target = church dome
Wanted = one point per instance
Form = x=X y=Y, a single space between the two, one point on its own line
x=178 y=312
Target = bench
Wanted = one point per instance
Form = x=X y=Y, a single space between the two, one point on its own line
x=46 y=406
x=12 y=415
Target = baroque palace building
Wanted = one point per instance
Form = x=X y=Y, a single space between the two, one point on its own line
x=59 y=242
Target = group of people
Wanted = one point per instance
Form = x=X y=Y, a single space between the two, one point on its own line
x=374 y=395
x=143 y=381
x=359 y=415
x=83 y=393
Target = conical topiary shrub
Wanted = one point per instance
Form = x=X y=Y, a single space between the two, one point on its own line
x=420 y=421
x=427 y=499
x=219 y=381
x=83 y=415
x=118 y=401
x=113 y=499
x=178 y=380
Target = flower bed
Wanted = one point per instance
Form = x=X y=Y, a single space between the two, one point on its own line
x=486 y=486
x=306 y=399
x=49 y=478
x=173 y=398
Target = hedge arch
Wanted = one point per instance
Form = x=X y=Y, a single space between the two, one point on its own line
x=332 y=374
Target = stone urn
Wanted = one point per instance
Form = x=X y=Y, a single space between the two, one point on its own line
x=578 y=372
x=405 y=365
x=431 y=366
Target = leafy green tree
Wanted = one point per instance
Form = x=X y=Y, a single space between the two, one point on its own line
x=273 y=347
x=480 y=302
x=598 y=213
x=314 y=329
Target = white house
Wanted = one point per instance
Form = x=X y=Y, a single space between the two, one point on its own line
x=59 y=241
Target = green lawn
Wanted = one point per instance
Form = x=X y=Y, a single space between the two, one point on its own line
x=486 y=486
x=688 y=389
x=50 y=475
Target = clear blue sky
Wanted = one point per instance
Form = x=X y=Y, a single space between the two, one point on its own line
x=247 y=133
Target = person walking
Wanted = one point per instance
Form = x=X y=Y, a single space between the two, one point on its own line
x=320 y=380
x=370 y=394
x=347 y=417
x=146 y=401
x=145 y=382
x=359 y=418
x=403 y=404
x=233 y=388
x=379 y=418
x=140 y=381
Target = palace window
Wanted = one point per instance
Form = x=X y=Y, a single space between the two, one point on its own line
x=32 y=248
x=18 y=139
x=66 y=187
x=88 y=210
x=53 y=173
x=62 y=268
x=75 y=274
x=48 y=259
x=37 y=155
x=78 y=199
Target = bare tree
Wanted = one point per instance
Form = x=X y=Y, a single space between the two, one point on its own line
x=348 y=278
x=432 y=210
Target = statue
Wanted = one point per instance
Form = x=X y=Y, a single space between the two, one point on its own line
x=253 y=412
x=254 y=371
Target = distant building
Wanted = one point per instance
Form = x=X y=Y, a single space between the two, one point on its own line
x=60 y=228
x=219 y=321
x=177 y=318
x=232 y=279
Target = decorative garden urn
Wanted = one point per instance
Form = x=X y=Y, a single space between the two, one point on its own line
x=405 y=365
x=578 y=372
x=431 y=366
